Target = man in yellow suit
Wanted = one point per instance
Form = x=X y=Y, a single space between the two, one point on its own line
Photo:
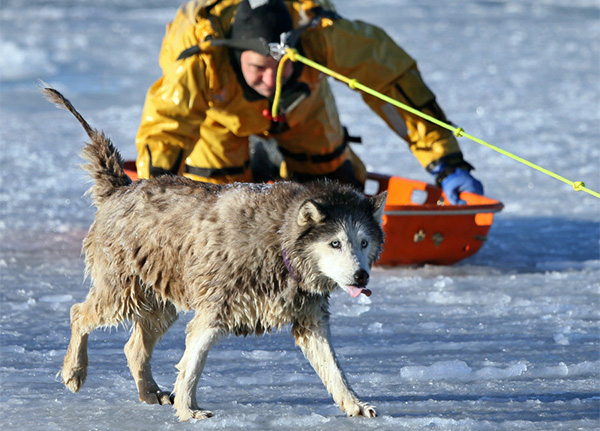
x=219 y=80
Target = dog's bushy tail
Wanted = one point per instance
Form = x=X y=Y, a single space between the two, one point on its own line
x=105 y=164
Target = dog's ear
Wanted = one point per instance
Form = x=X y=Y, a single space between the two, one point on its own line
x=310 y=213
x=378 y=203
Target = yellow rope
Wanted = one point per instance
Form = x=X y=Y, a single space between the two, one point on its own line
x=293 y=55
x=278 y=83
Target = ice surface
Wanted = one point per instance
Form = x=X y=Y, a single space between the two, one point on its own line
x=507 y=340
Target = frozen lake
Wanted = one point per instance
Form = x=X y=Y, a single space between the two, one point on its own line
x=508 y=339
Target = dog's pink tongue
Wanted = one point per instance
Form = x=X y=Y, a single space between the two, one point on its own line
x=355 y=291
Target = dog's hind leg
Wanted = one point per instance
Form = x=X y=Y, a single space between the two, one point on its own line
x=147 y=330
x=74 y=370
x=201 y=336
x=315 y=345
x=98 y=309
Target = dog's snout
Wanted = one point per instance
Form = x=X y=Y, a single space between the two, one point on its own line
x=361 y=277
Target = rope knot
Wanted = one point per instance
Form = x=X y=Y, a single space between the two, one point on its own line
x=352 y=84
x=578 y=185
x=291 y=53
x=459 y=132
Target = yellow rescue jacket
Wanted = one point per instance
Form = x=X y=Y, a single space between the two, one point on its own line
x=196 y=121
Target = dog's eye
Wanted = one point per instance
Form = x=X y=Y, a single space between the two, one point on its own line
x=335 y=244
x=364 y=243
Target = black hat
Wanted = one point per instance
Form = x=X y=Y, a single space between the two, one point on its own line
x=258 y=23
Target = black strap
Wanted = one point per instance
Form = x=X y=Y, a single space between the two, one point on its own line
x=353 y=139
x=216 y=172
x=189 y=52
x=323 y=158
x=155 y=171
x=315 y=158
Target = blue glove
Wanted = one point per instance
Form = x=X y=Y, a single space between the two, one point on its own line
x=459 y=181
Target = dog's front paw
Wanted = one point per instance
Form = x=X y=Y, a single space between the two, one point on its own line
x=359 y=408
x=165 y=398
x=158 y=397
x=185 y=415
x=367 y=411
x=74 y=378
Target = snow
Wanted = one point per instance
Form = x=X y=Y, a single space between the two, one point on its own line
x=506 y=340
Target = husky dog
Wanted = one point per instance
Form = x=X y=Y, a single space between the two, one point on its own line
x=246 y=258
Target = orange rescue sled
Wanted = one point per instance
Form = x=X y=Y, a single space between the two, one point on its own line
x=419 y=228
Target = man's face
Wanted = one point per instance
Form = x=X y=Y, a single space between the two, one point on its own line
x=260 y=72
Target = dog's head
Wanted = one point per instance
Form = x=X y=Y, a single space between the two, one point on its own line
x=340 y=236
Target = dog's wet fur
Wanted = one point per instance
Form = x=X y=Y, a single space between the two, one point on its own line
x=246 y=258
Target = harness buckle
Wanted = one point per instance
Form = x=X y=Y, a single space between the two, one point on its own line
x=277 y=50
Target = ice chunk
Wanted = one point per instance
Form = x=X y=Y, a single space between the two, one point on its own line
x=446 y=370
x=56 y=298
